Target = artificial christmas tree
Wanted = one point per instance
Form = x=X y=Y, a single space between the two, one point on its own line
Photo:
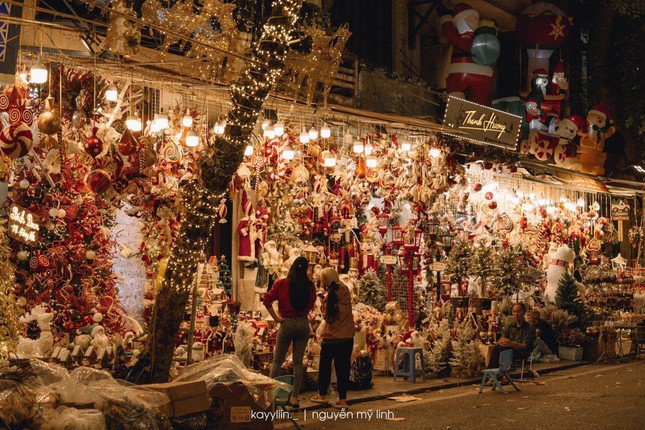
x=466 y=358
x=9 y=310
x=225 y=276
x=438 y=357
x=507 y=278
x=372 y=292
x=70 y=267
x=458 y=262
x=568 y=298
x=482 y=264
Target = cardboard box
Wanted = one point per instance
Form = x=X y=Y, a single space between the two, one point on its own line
x=232 y=405
x=185 y=397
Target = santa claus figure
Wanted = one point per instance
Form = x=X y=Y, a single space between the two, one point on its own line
x=466 y=79
x=539 y=84
x=559 y=82
x=246 y=239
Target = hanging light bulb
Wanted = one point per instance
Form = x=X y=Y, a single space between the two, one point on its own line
x=112 y=93
x=371 y=161
x=24 y=76
x=435 y=152
x=550 y=210
x=325 y=132
x=192 y=139
x=358 y=147
x=288 y=153
x=154 y=127
x=313 y=133
x=248 y=151
x=162 y=120
x=133 y=123
x=38 y=73
x=304 y=136
x=278 y=129
x=406 y=146
x=348 y=138
x=369 y=149
x=265 y=124
x=219 y=128
x=187 y=120
x=329 y=159
x=269 y=132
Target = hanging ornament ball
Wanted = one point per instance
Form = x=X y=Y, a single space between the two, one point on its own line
x=90 y=255
x=93 y=145
x=485 y=47
x=492 y=205
x=489 y=195
x=53 y=212
x=24 y=184
x=62 y=213
x=78 y=201
x=512 y=169
x=98 y=180
x=97 y=317
x=488 y=165
x=477 y=187
x=16 y=140
x=49 y=122
x=22 y=255
x=128 y=144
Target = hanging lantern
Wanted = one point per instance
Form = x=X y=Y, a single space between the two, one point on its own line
x=485 y=48
x=433 y=225
x=371 y=161
x=38 y=73
x=397 y=235
x=248 y=151
x=406 y=146
x=348 y=138
x=313 y=133
x=192 y=139
x=187 y=120
x=288 y=153
x=412 y=240
x=111 y=94
x=447 y=239
x=383 y=221
x=278 y=129
x=358 y=147
x=325 y=132
x=593 y=250
x=219 y=128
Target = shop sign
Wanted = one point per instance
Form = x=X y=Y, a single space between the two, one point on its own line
x=482 y=124
x=388 y=259
x=620 y=212
x=23 y=226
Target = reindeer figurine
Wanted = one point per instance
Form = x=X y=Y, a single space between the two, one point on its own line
x=319 y=65
x=37 y=348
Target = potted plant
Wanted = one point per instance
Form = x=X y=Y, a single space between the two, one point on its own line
x=571 y=340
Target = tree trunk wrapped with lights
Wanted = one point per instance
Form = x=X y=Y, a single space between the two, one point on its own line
x=201 y=197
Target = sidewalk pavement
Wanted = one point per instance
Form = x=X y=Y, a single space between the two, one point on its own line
x=384 y=386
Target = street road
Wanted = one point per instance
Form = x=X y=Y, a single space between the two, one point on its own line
x=588 y=397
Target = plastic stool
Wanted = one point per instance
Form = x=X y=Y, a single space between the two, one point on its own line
x=409 y=355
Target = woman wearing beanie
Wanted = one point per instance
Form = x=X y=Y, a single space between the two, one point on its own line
x=296 y=296
x=337 y=338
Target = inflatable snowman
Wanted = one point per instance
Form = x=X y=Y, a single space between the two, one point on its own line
x=557 y=268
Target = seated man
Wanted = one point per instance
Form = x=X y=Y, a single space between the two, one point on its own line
x=518 y=336
x=545 y=338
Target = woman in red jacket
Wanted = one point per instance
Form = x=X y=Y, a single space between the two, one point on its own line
x=296 y=296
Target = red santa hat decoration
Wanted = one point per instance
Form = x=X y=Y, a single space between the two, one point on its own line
x=463 y=11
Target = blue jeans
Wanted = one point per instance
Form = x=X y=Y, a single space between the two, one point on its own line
x=294 y=330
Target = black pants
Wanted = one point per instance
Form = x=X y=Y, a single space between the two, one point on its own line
x=341 y=353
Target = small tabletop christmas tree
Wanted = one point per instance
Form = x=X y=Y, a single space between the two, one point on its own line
x=371 y=291
x=225 y=276
x=568 y=297
x=482 y=263
x=508 y=274
x=458 y=262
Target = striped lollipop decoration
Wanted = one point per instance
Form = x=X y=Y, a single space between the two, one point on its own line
x=222 y=210
x=16 y=140
x=172 y=152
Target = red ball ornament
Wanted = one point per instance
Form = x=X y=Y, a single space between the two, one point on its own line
x=477 y=187
x=98 y=181
x=492 y=205
x=93 y=145
x=488 y=165
x=489 y=195
x=512 y=169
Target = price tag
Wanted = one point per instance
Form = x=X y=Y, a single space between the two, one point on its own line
x=388 y=259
